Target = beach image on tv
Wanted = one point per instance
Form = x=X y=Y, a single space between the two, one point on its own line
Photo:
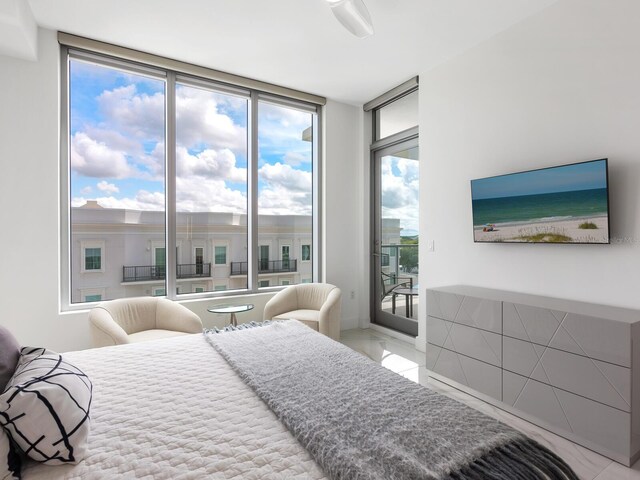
x=566 y=204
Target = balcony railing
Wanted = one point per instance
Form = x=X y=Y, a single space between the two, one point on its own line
x=398 y=259
x=266 y=266
x=142 y=273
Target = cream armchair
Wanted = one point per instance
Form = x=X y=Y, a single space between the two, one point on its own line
x=317 y=305
x=130 y=320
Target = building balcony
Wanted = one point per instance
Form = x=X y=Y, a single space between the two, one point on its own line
x=266 y=266
x=144 y=273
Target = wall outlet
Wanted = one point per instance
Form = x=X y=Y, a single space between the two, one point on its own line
x=352 y=294
x=432 y=246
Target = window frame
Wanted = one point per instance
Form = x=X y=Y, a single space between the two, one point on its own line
x=172 y=71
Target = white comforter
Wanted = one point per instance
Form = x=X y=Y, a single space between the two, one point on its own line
x=174 y=409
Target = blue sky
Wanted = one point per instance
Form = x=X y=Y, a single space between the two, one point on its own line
x=567 y=178
x=117 y=146
x=117 y=150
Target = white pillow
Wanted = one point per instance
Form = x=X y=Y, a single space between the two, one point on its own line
x=45 y=407
x=9 y=460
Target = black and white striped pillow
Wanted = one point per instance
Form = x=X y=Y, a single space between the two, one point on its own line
x=45 y=407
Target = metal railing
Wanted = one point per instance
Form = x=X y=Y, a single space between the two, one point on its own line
x=398 y=259
x=141 y=273
x=266 y=266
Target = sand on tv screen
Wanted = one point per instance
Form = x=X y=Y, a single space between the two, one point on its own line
x=564 y=204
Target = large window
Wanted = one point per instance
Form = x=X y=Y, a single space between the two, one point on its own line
x=158 y=162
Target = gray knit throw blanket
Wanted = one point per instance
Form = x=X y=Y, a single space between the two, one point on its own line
x=361 y=421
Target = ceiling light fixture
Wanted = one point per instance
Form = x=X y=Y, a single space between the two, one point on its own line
x=353 y=15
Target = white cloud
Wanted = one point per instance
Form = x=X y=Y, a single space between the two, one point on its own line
x=195 y=195
x=279 y=175
x=139 y=115
x=211 y=164
x=143 y=200
x=93 y=159
x=280 y=201
x=201 y=120
x=106 y=187
x=86 y=190
x=296 y=158
x=400 y=192
x=287 y=190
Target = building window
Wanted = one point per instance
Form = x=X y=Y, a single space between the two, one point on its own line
x=263 y=258
x=92 y=294
x=159 y=292
x=221 y=255
x=198 y=255
x=198 y=289
x=264 y=283
x=92 y=252
x=286 y=264
x=92 y=259
x=219 y=288
x=285 y=282
x=115 y=184
x=306 y=280
x=306 y=253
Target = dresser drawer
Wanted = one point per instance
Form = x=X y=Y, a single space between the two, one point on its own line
x=604 y=382
x=467 y=371
x=466 y=310
x=603 y=425
x=593 y=337
x=472 y=342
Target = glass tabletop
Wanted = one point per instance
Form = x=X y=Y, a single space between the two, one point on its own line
x=229 y=308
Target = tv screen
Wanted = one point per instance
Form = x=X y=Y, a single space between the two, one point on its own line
x=563 y=204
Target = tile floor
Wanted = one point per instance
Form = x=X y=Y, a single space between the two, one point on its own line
x=402 y=358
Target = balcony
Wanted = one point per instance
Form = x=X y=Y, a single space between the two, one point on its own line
x=146 y=273
x=266 y=266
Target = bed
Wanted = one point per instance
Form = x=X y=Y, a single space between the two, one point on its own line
x=202 y=406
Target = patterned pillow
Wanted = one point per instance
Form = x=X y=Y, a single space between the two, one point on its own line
x=9 y=356
x=45 y=407
x=9 y=459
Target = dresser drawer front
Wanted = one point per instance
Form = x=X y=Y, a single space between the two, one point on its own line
x=590 y=420
x=474 y=312
x=469 y=341
x=604 y=382
x=467 y=371
x=592 y=337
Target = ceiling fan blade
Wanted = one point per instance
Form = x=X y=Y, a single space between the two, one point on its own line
x=353 y=15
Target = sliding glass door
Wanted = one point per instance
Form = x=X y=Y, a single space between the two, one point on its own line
x=395 y=237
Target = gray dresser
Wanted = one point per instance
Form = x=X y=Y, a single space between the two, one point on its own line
x=571 y=367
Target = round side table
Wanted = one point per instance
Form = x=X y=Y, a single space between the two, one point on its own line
x=232 y=309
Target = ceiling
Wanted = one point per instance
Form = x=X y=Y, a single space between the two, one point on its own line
x=293 y=43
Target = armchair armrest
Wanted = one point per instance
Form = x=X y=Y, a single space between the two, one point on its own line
x=104 y=329
x=178 y=318
x=284 y=301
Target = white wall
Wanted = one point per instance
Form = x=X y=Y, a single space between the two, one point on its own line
x=560 y=87
x=29 y=195
x=344 y=203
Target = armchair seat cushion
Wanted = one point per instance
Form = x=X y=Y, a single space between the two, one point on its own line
x=154 y=334
x=311 y=318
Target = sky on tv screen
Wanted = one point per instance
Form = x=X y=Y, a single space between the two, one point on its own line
x=567 y=178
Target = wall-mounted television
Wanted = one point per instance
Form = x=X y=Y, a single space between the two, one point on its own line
x=563 y=204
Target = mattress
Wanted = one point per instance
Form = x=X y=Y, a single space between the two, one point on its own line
x=174 y=409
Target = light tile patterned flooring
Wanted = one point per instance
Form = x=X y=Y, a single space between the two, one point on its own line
x=402 y=358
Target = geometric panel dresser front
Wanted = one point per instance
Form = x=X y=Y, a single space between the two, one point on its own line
x=568 y=366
